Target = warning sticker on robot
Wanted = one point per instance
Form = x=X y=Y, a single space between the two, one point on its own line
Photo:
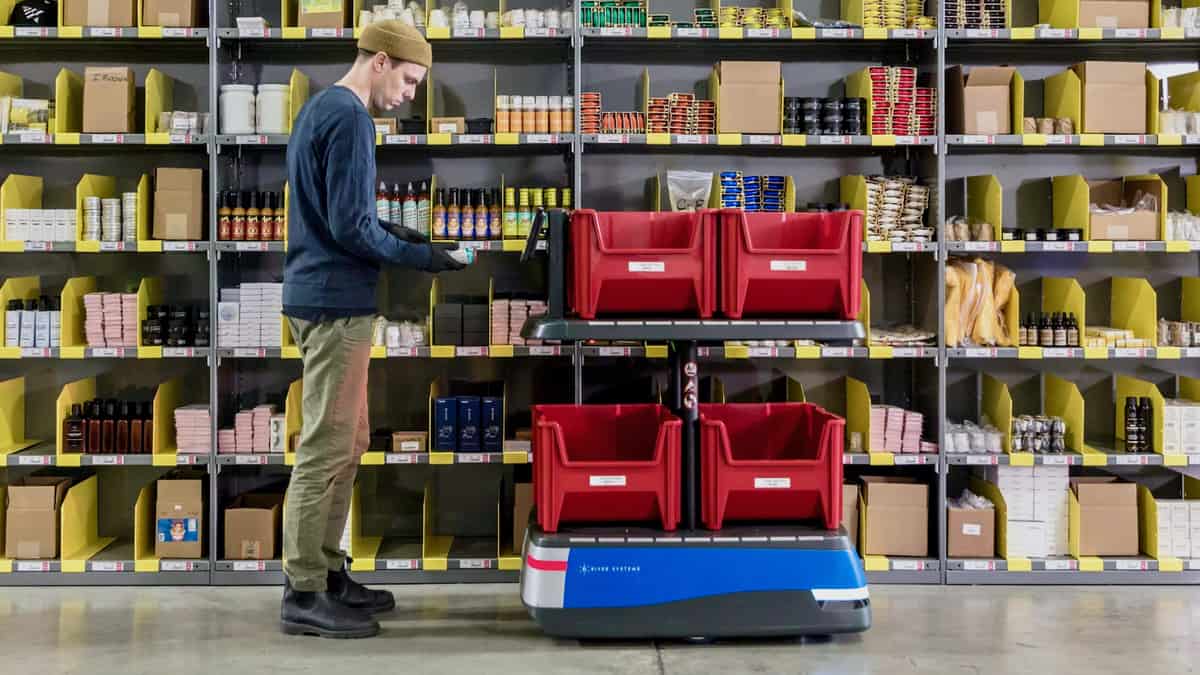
x=606 y=481
x=789 y=265
x=647 y=267
x=772 y=483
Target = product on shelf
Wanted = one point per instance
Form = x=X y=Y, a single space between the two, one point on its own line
x=109 y=426
x=118 y=14
x=25 y=115
x=976 y=14
x=824 y=116
x=258 y=430
x=680 y=113
x=1108 y=516
x=179 y=512
x=1113 y=338
x=249 y=315
x=978 y=101
x=1054 y=329
x=612 y=14
x=896 y=208
x=32 y=517
x=468 y=424
x=593 y=121
x=896 y=520
x=689 y=190
x=1036 y=501
x=110 y=319
x=244 y=113
x=412 y=14
x=903 y=336
x=590 y=117
x=1138 y=416
x=176 y=326
x=110 y=219
x=1180 y=17
x=108 y=100
x=408 y=208
x=180 y=13
x=460 y=323
x=1178 y=333
x=893 y=430
x=897 y=14
x=410 y=441
x=970 y=438
x=752 y=193
x=1048 y=125
x=509 y=316
x=1116 y=214
x=977 y=295
x=1104 y=82
x=959 y=229
x=749 y=94
x=751 y=17
x=180 y=122
x=33 y=323
x=1181 y=427
x=252 y=526
x=1039 y=434
x=1182 y=226
x=1178 y=534
x=193 y=429
x=476 y=213
x=534 y=114
x=970 y=527
x=398 y=333
x=898 y=105
x=251 y=216
x=178 y=204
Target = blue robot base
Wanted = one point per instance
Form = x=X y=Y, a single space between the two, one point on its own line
x=616 y=583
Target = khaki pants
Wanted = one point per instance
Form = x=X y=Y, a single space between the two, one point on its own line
x=335 y=433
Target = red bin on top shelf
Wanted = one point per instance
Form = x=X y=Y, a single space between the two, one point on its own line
x=643 y=263
x=770 y=461
x=606 y=463
x=791 y=264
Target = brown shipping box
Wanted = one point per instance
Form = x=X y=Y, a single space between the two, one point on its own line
x=179 y=515
x=252 y=527
x=178 y=204
x=1114 y=97
x=32 y=517
x=522 y=506
x=1114 y=13
x=894 y=514
x=410 y=441
x=1141 y=225
x=850 y=512
x=1108 y=516
x=325 y=14
x=108 y=98
x=106 y=13
x=979 y=102
x=749 y=97
x=970 y=533
x=173 y=13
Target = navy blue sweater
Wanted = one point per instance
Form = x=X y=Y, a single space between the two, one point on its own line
x=335 y=242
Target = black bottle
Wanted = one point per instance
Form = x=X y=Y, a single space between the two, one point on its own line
x=75 y=430
x=147 y=415
x=122 y=443
x=1146 y=424
x=94 y=431
x=1132 y=425
x=108 y=428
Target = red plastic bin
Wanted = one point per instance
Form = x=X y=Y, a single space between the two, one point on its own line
x=791 y=264
x=606 y=463
x=639 y=263
x=770 y=461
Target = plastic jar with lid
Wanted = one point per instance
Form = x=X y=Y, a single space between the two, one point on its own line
x=502 y=126
x=556 y=121
x=516 y=106
x=568 y=114
x=541 y=120
x=237 y=108
x=273 y=108
x=529 y=115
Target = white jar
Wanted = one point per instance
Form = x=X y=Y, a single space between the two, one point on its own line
x=273 y=108
x=237 y=108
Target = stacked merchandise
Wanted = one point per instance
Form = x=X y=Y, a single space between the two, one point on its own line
x=976 y=14
x=589 y=112
x=110 y=219
x=899 y=106
x=176 y=326
x=897 y=431
x=1039 y=434
x=823 y=116
x=39 y=224
x=977 y=295
x=681 y=114
x=397 y=334
x=249 y=316
x=1036 y=500
x=754 y=194
x=255 y=431
x=1119 y=338
x=917 y=18
x=749 y=17
x=509 y=316
x=612 y=14
x=896 y=207
x=1178 y=528
x=33 y=323
x=193 y=430
x=1181 y=422
x=110 y=319
x=970 y=438
x=885 y=13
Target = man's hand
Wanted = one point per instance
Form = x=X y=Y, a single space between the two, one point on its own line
x=405 y=234
x=441 y=260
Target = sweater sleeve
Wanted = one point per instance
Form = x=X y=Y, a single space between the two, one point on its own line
x=349 y=177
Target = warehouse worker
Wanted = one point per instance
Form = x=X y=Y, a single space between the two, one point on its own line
x=336 y=247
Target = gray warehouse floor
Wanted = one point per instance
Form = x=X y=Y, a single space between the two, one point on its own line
x=484 y=629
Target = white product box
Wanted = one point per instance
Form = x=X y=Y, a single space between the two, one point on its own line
x=1194 y=511
x=1051 y=471
x=1172 y=447
x=1192 y=448
x=1027 y=539
x=16 y=225
x=1179 y=549
x=1179 y=513
x=1190 y=412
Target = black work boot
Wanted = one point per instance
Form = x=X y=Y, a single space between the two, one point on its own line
x=322 y=614
x=353 y=594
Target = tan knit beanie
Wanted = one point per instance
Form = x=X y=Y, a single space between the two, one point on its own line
x=398 y=40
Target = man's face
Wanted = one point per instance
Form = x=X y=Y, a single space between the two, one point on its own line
x=394 y=82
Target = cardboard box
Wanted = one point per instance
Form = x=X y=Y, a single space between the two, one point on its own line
x=1104 y=82
x=850 y=512
x=894 y=516
x=178 y=204
x=1114 y=13
x=522 y=507
x=749 y=97
x=108 y=100
x=32 y=517
x=970 y=533
x=252 y=527
x=410 y=441
x=115 y=13
x=179 y=518
x=1108 y=516
x=325 y=14
x=1141 y=225
x=448 y=125
x=980 y=102
x=175 y=13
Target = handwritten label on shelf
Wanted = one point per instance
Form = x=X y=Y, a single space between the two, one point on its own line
x=32 y=566
x=34 y=460
x=249 y=566
x=399 y=565
x=107 y=566
x=1133 y=565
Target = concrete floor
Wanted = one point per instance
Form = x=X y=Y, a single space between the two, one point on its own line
x=483 y=629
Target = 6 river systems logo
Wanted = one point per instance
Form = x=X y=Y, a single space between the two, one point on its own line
x=586 y=569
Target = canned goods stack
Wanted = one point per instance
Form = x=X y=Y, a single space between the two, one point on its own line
x=1039 y=434
x=754 y=194
x=704 y=17
x=976 y=14
x=622 y=123
x=681 y=114
x=110 y=220
x=896 y=209
x=917 y=17
x=129 y=215
x=885 y=14
x=589 y=112
x=91 y=219
x=823 y=116
x=899 y=106
x=658 y=21
x=612 y=13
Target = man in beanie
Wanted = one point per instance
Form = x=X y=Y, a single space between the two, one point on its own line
x=336 y=247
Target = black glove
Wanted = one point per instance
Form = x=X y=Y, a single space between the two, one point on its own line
x=440 y=261
x=406 y=234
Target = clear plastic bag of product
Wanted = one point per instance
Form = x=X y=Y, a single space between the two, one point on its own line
x=689 y=190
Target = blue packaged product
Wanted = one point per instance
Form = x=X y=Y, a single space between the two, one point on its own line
x=468 y=423
x=445 y=424
x=493 y=423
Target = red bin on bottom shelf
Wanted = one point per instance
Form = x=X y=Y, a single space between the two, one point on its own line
x=770 y=461
x=606 y=463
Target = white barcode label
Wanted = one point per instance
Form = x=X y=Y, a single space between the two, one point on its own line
x=251 y=140
x=410 y=446
x=107 y=139
x=176 y=32
x=1058 y=460
x=250 y=459
x=179 y=246
x=835 y=352
x=689 y=32
x=540 y=139
x=835 y=33
x=901 y=460
x=175 y=566
x=108 y=352
x=612 y=138
x=252 y=32
x=1129 y=33
x=972 y=529
x=392 y=564
x=977 y=33
x=979 y=246
x=474 y=564
x=543 y=351
x=978 y=565
x=33 y=460
x=109 y=460
x=35 y=353
x=30 y=31
x=981 y=460
x=906 y=246
x=1129 y=139
x=905 y=33
x=249 y=352
x=615 y=32
x=1128 y=353
x=470 y=351
x=606 y=481
x=540 y=32
x=1057 y=139
x=401 y=459
x=762 y=32
x=1053 y=33
x=470 y=458
x=1129 y=460
x=107 y=566
x=112 y=246
x=103 y=32
x=249 y=566
x=1056 y=353
x=401 y=352
x=647 y=267
x=1132 y=565
x=393 y=139
x=178 y=352
x=474 y=139
x=759 y=139
x=907 y=352
x=908 y=565
x=978 y=352
x=834 y=140
x=614 y=351
x=251 y=246
x=325 y=32
x=1057 y=246
x=977 y=140
x=772 y=483
x=468 y=32
x=789 y=265
x=1060 y=565
x=689 y=139
x=32 y=566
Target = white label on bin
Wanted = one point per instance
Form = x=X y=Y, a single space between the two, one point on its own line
x=410 y=446
x=1132 y=565
x=972 y=529
x=393 y=564
x=1060 y=565
x=606 y=481
x=789 y=265
x=772 y=483
x=647 y=267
